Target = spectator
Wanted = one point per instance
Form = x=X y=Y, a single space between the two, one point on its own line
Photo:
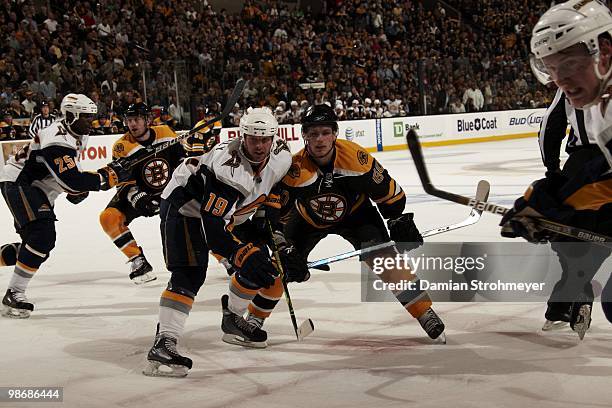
x=374 y=49
x=456 y=106
x=28 y=104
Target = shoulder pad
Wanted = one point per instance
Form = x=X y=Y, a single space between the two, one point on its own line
x=352 y=158
x=228 y=165
x=302 y=171
x=56 y=135
x=125 y=146
x=163 y=133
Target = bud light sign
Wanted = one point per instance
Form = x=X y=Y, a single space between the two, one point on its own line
x=533 y=120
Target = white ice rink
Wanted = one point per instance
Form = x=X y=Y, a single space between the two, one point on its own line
x=92 y=327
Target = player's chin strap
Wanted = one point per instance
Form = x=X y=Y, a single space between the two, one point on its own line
x=604 y=82
x=69 y=129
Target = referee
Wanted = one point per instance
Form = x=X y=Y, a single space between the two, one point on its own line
x=42 y=120
x=581 y=148
x=581 y=145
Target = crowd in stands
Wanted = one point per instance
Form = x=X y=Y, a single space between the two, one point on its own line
x=366 y=58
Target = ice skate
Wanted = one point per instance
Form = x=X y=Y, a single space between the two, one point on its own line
x=16 y=305
x=165 y=361
x=238 y=331
x=554 y=325
x=557 y=316
x=141 y=270
x=581 y=318
x=433 y=325
x=255 y=321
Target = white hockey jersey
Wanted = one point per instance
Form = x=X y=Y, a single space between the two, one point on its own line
x=223 y=183
x=51 y=163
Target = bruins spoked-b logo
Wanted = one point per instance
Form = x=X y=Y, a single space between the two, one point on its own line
x=156 y=173
x=329 y=207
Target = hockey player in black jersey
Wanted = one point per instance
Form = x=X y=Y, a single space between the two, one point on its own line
x=30 y=183
x=140 y=196
x=329 y=189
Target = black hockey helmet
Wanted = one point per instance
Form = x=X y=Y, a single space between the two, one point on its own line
x=318 y=115
x=138 y=109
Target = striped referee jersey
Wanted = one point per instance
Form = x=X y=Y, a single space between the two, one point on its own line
x=38 y=123
x=554 y=127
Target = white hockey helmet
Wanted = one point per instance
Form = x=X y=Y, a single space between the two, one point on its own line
x=259 y=122
x=77 y=104
x=567 y=24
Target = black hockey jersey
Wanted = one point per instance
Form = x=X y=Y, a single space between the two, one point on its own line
x=153 y=174
x=323 y=197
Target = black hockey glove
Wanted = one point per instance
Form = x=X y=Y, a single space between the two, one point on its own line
x=145 y=204
x=523 y=223
x=77 y=198
x=540 y=201
x=404 y=232
x=294 y=264
x=254 y=266
x=114 y=173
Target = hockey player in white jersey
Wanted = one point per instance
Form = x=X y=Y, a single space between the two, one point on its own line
x=572 y=47
x=207 y=198
x=30 y=183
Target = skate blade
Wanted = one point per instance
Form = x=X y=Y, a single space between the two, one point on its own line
x=441 y=339
x=157 y=369
x=584 y=321
x=14 y=313
x=233 y=339
x=554 y=325
x=145 y=278
x=305 y=329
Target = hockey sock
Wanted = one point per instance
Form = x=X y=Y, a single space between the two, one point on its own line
x=266 y=299
x=174 y=309
x=28 y=262
x=414 y=299
x=239 y=296
x=113 y=223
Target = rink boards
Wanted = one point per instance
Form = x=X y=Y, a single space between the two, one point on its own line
x=374 y=134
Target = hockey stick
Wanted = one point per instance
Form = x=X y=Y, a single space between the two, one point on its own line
x=482 y=194
x=151 y=151
x=567 y=230
x=307 y=326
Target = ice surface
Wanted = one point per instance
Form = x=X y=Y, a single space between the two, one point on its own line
x=92 y=327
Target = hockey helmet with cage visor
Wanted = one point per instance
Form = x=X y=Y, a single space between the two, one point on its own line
x=570 y=32
x=257 y=129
